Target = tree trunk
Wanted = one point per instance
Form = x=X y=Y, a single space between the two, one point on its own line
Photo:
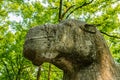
x=73 y=46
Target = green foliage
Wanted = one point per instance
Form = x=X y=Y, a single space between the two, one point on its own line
x=13 y=66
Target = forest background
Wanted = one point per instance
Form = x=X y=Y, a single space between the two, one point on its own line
x=18 y=16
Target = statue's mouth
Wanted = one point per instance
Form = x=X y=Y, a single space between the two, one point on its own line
x=29 y=54
x=36 y=48
x=35 y=38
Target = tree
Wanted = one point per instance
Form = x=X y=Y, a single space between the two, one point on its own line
x=32 y=13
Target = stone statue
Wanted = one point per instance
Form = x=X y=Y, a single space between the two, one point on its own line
x=75 y=47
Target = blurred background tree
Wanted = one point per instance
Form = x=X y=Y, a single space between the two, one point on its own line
x=18 y=16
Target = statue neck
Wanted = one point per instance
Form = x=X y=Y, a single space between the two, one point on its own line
x=102 y=69
x=96 y=71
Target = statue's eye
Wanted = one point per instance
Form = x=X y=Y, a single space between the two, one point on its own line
x=89 y=28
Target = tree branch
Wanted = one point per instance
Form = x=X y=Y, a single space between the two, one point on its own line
x=60 y=11
x=38 y=73
x=49 y=71
x=79 y=7
x=106 y=33
x=67 y=11
x=109 y=35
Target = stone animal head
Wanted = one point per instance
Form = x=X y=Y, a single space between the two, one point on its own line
x=72 y=46
x=59 y=43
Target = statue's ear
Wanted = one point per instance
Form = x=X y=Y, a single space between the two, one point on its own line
x=90 y=28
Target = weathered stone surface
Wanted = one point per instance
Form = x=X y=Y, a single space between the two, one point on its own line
x=73 y=46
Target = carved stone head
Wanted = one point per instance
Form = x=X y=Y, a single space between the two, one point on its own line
x=73 y=46
x=59 y=43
